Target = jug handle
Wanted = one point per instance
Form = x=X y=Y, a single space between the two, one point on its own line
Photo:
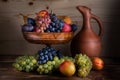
x=99 y=23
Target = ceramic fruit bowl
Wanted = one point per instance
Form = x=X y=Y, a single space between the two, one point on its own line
x=48 y=38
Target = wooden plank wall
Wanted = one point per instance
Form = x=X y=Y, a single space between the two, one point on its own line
x=13 y=43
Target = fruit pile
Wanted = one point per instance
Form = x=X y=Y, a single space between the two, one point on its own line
x=49 y=22
x=45 y=61
x=49 y=60
x=52 y=66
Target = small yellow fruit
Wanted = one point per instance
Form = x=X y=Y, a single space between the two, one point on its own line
x=67 y=20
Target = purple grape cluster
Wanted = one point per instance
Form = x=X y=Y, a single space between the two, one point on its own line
x=56 y=24
x=74 y=27
x=47 y=54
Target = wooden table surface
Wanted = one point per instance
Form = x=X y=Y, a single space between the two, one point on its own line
x=111 y=71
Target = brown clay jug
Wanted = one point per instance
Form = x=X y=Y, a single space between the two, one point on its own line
x=87 y=41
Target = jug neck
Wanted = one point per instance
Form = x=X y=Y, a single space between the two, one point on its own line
x=86 y=20
x=86 y=13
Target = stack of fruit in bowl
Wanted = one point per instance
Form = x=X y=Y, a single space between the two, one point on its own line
x=46 y=27
x=49 y=22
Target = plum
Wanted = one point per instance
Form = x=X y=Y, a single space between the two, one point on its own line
x=27 y=28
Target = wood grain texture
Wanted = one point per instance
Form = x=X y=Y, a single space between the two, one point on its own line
x=13 y=43
x=8 y=72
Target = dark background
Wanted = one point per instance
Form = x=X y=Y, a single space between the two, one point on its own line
x=13 y=43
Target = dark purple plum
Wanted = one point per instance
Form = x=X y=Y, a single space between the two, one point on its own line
x=27 y=28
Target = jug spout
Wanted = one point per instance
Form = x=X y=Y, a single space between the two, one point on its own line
x=83 y=9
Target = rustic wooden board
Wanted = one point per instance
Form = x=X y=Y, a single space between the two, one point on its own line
x=7 y=72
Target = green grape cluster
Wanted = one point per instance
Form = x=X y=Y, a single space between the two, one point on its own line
x=84 y=65
x=59 y=61
x=46 y=68
x=25 y=63
x=68 y=58
x=49 y=66
x=53 y=65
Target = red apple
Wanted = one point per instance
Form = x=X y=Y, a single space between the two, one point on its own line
x=98 y=63
x=67 y=68
x=66 y=28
